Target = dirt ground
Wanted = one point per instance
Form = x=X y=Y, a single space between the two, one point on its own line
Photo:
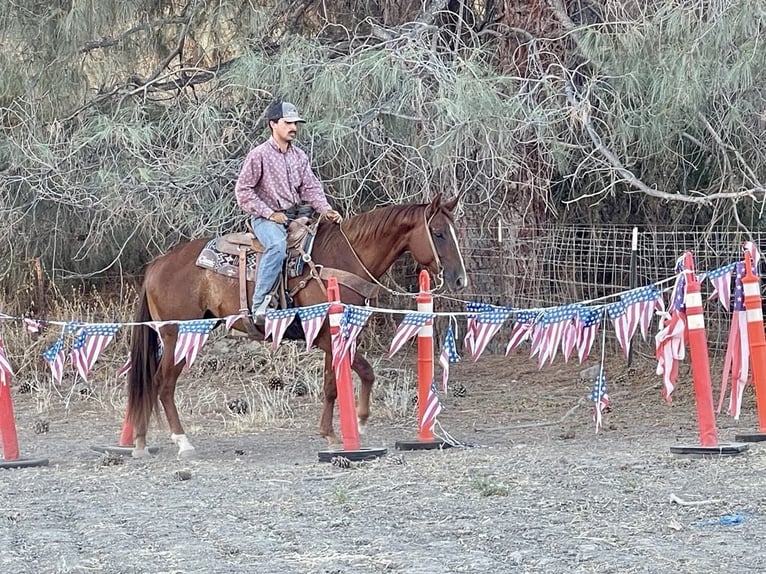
x=537 y=491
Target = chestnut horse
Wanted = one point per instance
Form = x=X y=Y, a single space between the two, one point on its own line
x=176 y=289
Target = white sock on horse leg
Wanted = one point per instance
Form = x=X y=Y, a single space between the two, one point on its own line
x=183 y=443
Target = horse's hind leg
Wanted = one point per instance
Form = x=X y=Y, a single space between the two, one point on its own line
x=169 y=374
x=366 y=375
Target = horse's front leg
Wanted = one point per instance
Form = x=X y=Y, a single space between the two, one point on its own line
x=167 y=390
x=366 y=375
x=330 y=394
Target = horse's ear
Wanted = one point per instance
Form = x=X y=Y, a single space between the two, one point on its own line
x=452 y=203
x=435 y=204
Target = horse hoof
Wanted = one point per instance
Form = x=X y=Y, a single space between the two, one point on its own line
x=140 y=453
x=362 y=426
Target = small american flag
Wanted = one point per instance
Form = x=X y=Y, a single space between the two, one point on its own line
x=447 y=356
x=432 y=410
x=231 y=319
x=549 y=332
x=54 y=356
x=122 y=371
x=736 y=363
x=473 y=308
x=351 y=324
x=90 y=341
x=6 y=372
x=32 y=325
x=618 y=315
x=522 y=329
x=312 y=319
x=485 y=326
x=192 y=335
x=277 y=322
x=407 y=329
x=720 y=279
x=588 y=319
x=640 y=305
x=679 y=288
x=600 y=398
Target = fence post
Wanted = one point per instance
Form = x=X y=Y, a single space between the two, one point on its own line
x=757 y=343
x=426 y=439
x=703 y=389
x=349 y=426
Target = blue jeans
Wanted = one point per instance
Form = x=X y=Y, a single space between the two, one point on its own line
x=273 y=236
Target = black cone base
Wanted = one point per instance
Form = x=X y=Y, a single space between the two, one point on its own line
x=750 y=437
x=421 y=444
x=365 y=453
x=23 y=462
x=721 y=449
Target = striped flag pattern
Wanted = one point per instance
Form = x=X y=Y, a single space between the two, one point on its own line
x=485 y=326
x=600 y=398
x=91 y=340
x=6 y=372
x=277 y=322
x=54 y=356
x=587 y=321
x=432 y=410
x=122 y=371
x=312 y=319
x=522 y=329
x=473 y=308
x=192 y=335
x=351 y=324
x=720 y=279
x=407 y=329
x=447 y=356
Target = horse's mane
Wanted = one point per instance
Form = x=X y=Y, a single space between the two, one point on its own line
x=382 y=221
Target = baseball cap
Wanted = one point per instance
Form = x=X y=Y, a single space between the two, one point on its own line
x=283 y=111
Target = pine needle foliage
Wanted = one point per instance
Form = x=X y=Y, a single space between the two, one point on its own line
x=124 y=123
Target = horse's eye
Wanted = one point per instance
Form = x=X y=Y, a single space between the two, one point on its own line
x=439 y=235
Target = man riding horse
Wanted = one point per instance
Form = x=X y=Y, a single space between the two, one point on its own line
x=276 y=178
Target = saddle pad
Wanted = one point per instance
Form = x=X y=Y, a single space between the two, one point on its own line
x=226 y=264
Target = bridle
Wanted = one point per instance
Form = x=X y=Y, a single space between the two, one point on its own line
x=402 y=292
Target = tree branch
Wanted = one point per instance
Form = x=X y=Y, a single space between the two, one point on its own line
x=581 y=111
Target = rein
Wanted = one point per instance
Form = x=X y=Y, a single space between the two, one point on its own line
x=401 y=292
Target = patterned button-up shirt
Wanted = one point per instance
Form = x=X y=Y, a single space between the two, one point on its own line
x=271 y=181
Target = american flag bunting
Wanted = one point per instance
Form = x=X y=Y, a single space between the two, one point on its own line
x=90 y=341
x=522 y=329
x=407 y=329
x=312 y=319
x=54 y=356
x=231 y=319
x=32 y=325
x=720 y=279
x=192 y=336
x=122 y=371
x=448 y=355
x=351 y=324
x=485 y=326
x=587 y=322
x=473 y=308
x=600 y=398
x=737 y=361
x=277 y=322
x=549 y=332
x=432 y=410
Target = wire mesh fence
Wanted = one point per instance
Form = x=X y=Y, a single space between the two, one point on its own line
x=552 y=265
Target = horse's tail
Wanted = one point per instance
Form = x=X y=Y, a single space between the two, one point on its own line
x=144 y=350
